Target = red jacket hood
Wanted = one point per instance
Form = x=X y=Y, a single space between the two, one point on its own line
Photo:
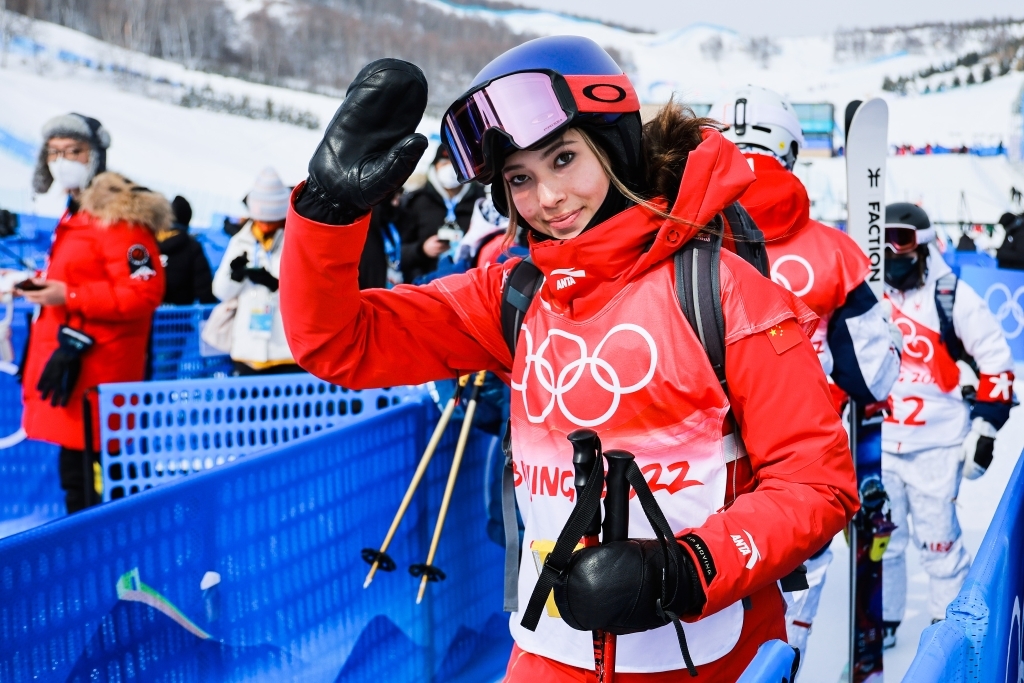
x=637 y=239
x=777 y=200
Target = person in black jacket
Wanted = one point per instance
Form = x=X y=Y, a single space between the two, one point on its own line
x=1010 y=253
x=441 y=202
x=380 y=263
x=188 y=272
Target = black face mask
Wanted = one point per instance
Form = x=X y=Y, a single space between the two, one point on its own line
x=902 y=273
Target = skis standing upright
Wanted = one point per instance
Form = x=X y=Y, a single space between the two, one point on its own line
x=866 y=150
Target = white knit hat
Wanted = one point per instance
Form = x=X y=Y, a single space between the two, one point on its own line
x=268 y=198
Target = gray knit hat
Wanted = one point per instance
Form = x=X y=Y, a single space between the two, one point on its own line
x=75 y=126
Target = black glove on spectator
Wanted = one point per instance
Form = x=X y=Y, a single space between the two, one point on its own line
x=61 y=372
x=615 y=587
x=370 y=147
x=261 y=277
x=239 y=267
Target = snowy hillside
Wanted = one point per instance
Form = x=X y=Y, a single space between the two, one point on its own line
x=211 y=156
x=702 y=62
x=208 y=156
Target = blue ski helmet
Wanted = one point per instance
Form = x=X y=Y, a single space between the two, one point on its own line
x=535 y=91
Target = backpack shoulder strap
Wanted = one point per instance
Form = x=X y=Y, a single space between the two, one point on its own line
x=748 y=240
x=521 y=286
x=699 y=292
x=945 y=297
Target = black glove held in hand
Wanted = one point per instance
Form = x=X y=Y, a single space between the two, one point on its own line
x=261 y=277
x=61 y=372
x=615 y=587
x=370 y=147
x=238 y=267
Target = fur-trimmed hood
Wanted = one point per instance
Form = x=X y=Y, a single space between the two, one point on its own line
x=111 y=198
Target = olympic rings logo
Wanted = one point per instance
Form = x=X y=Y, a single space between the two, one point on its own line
x=1009 y=308
x=601 y=370
x=780 y=279
x=911 y=340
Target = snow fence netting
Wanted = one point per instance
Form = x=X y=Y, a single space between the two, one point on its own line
x=151 y=433
x=253 y=572
x=980 y=639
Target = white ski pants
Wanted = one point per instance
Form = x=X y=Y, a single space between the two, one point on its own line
x=803 y=605
x=923 y=486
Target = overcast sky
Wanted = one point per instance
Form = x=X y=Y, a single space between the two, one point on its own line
x=783 y=17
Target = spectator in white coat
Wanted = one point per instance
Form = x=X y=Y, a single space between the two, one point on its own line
x=249 y=273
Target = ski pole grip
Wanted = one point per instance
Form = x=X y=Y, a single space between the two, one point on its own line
x=585 y=450
x=616 y=500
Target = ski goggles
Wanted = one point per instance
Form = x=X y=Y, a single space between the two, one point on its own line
x=903 y=239
x=524 y=108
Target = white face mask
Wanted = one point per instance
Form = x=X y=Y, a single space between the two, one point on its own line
x=447 y=177
x=70 y=175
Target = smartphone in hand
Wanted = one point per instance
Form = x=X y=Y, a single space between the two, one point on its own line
x=29 y=286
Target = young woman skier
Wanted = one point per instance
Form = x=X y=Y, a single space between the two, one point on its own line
x=555 y=124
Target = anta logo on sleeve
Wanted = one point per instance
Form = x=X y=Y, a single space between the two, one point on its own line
x=748 y=550
x=566 y=277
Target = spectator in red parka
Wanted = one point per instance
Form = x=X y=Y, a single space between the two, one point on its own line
x=97 y=296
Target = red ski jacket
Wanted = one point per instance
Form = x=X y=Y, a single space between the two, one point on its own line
x=114 y=284
x=819 y=264
x=649 y=389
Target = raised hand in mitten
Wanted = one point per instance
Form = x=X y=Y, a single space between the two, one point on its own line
x=370 y=147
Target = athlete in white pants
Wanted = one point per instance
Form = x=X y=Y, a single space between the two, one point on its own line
x=933 y=436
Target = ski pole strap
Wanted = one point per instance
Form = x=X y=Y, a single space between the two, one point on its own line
x=669 y=545
x=511 y=525
x=572 y=532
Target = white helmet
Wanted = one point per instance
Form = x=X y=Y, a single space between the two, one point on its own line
x=760 y=121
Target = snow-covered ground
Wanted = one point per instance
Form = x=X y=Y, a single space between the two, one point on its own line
x=976 y=504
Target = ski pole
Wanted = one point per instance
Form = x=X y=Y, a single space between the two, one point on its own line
x=379 y=559
x=616 y=528
x=586 y=447
x=427 y=571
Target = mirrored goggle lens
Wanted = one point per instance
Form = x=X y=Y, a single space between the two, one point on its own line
x=523 y=106
x=900 y=239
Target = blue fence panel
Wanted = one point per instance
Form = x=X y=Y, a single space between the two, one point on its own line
x=253 y=572
x=773 y=663
x=154 y=432
x=29 y=492
x=980 y=640
x=959 y=259
x=175 y=349
x=1003 y=291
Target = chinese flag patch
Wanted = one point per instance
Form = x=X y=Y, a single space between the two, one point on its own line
x=784 y=336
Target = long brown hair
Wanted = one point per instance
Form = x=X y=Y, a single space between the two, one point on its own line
x=666 y=144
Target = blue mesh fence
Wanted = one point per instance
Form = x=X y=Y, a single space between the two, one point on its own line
x=154 y=432
x=982 y=636
x=29 y=493
x=175 y=349
x=253 y=572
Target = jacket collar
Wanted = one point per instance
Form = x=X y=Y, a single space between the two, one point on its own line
x=637 y=239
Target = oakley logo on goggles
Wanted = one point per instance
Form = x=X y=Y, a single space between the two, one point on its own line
x=524 y=108
x=903 y=239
